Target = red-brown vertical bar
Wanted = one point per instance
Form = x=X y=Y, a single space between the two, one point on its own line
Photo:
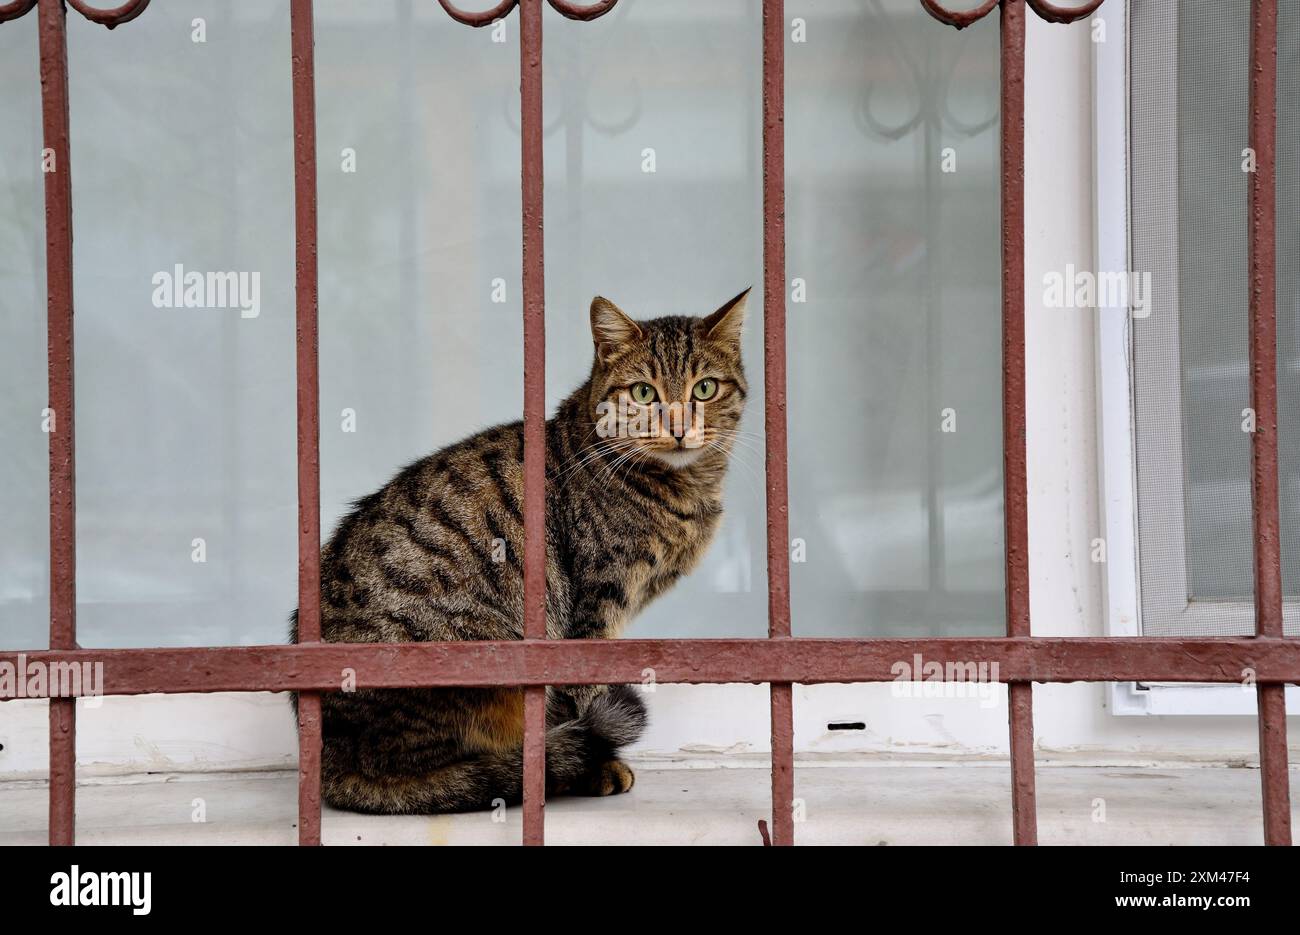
x=1263 y=393
x=530 y=100
x=63 y=496
x=774 y=411
x=308 y=378
x=1015 y=476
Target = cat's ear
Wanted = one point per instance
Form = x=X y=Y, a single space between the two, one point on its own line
x=727 y=322
x=610 y=327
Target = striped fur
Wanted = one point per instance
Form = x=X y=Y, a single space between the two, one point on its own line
x=436 y=554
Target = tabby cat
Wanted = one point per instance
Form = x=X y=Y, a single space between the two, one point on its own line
x=633 y=497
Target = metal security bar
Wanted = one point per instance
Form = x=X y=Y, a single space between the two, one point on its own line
x=781 y=660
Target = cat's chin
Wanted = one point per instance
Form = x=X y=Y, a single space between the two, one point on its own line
x=681 y=458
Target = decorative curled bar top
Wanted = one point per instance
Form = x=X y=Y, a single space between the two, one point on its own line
x=1047 y=10
x=584 y=12
x=478 y=19
x=110 y=18
x=1055 y=13
x=116 y=16
x=15 y=9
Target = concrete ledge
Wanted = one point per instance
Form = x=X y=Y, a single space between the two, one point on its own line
x=873 y=805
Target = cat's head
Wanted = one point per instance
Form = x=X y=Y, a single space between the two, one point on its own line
x=671 y=389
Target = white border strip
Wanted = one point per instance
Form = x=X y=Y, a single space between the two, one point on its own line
x=1114 y=343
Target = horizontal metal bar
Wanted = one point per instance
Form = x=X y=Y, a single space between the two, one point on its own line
x=326 y=666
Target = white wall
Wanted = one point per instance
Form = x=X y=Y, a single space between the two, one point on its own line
x=694 y=725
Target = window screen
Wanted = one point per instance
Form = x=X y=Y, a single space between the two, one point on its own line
x=1189 y=73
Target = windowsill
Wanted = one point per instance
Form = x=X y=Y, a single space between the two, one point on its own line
x=940 y=804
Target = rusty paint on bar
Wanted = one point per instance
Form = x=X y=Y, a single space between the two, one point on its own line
x=1047 y=10
x=958 y=18
x=774 y=409
x=565 y=8
x=1024 y=796
x=1058 y=13
x=583 y=12
x=63 y=770
x=1262 y=248
x=308 y=379
x=535 y=766
x=309 y=752
x=304 y=178
x=774 y=377
x=316 y=666
x=1020 y=707
x=1013 y=317
x=63 y=495
x=1273 y=772
x=15 y=9
x=484 y=18
x=1265 y=516
x=111 y=18
x=534 y=293
x=782 y=713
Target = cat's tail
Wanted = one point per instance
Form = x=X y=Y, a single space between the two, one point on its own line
x=613 y=719
x=574 y=750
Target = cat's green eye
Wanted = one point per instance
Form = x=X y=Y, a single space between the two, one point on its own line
x=706 y=389
x=643 y=393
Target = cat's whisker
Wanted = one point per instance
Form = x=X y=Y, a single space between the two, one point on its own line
x=623 y=451
x=748 y=472
x=628 y=457
x=745 y=443
x=747 y=437
x=585 y=457
x=637 y=458
x=595 y=451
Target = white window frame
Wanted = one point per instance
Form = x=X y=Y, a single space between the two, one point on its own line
x=1115 y=403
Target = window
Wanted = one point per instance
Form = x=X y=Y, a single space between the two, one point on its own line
x=653 y=180
x=1187 y=353
x=313 y=667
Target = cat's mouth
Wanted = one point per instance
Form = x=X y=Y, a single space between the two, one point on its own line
x=677 y=457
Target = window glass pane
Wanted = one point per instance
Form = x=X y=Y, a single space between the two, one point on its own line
x=24 y=447
x=181 y=166
x=182 y=154
x=895 y=378
x=654 y=199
